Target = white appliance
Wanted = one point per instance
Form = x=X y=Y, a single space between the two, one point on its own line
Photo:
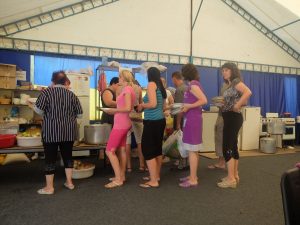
x=264 y=128
x=80 y=85
x=249 y=135
x=290 y=129
x=208 y=131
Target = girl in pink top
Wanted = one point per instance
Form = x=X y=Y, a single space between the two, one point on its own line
x=122 y=124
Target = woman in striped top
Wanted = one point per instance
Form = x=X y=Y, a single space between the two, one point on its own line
x=60 y=109
x=154 y=126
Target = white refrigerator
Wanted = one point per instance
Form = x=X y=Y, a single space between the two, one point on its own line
x=80 y=85
x=249 y=133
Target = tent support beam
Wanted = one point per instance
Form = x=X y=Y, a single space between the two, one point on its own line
x=51 y=16
x=262 y=28
x=288 y=24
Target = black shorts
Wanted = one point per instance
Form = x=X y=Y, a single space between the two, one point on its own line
x=152 y=138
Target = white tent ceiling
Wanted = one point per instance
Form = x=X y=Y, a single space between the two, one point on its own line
x=13 y=10
x=272 y=13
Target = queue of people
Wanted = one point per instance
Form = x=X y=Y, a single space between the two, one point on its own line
x=124 y=107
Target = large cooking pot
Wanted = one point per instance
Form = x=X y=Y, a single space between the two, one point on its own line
x=268 y=145
x=276 y=127
x=96 y=133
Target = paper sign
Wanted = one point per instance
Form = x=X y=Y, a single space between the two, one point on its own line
x=21 y=75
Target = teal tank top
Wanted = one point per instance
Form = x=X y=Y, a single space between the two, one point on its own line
x=157 y=112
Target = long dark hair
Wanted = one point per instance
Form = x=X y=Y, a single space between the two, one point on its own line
x=154 y=76
x=235 y=72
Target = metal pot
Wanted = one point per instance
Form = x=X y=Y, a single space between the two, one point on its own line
x=268 y=145
x=276 y=127
x=96 y=133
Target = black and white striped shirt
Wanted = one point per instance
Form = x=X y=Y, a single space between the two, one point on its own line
x=59 y=108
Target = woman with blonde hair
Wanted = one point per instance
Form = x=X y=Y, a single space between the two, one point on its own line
x=122 y=124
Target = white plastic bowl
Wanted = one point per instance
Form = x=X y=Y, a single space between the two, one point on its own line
x=29 y=141
x=83 y=173
x=32 y=100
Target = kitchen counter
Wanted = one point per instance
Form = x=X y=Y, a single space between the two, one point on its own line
x=79 y=147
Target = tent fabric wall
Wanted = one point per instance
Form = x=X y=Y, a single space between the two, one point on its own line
x=272 y=92
x=21 y=59
x=298 y=94
x=65 y=63
x=290 y=88
x=267 y=91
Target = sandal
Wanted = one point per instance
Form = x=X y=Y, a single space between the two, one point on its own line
x=215 y=166
x=113 y=184
x=44 y=192
x=184 y=179
x=70 y=187
x=129 y=170
x=142 y=169
x=147 y=185
x=237 y=179
x=227 y=184
x=187 y=184
x=148 y=179
x=113 y=179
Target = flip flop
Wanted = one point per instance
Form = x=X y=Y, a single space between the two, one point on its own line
x=44 y=192
x=70 y=187
x=183 y=179
x=113 y=179
x=142 y=169
x=112 y=184
x=187 y=184
x=148 y=179
x=214 y=166
x=147 y=185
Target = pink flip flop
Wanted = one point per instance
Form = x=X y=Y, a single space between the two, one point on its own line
x=183 y=179
x=187 y=184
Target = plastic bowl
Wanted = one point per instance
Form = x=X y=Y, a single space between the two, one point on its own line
x=7 y=140
x=29 y=141
x=32 y=100
x=83 y=173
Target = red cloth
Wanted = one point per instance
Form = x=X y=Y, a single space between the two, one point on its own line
x=101 y=82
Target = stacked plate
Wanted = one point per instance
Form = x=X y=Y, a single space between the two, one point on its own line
x=218 y=101
x=176 y=108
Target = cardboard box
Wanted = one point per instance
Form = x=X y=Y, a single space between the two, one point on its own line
x=8 y=82
x=7 y=70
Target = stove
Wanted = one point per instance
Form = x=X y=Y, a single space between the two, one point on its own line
x=288 y=121
x=290 y=128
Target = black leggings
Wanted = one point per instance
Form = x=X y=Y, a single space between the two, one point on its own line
x=51 y=155
x=232 y=124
